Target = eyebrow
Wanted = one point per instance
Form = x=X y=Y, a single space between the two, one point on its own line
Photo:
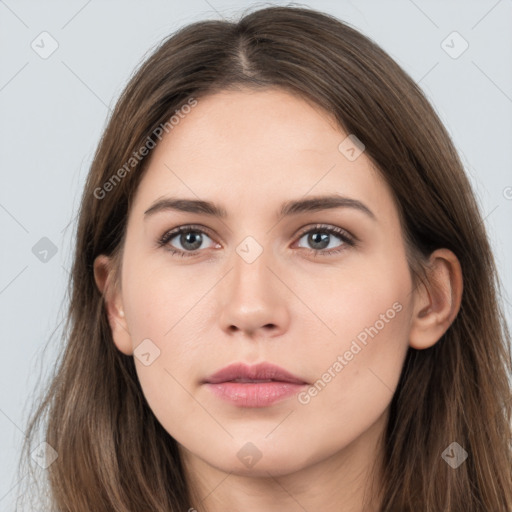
x=292 y=207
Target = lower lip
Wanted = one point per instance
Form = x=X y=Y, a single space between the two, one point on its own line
x=246 y=394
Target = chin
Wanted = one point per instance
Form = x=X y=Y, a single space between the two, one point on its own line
x=263 y=463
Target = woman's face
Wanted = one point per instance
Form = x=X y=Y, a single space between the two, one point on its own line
x=257 y=286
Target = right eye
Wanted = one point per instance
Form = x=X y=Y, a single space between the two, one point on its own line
x=189 y=237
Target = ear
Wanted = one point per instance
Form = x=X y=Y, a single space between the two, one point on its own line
x=110 y=289
x=437 y=302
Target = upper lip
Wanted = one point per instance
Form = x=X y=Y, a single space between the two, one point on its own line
x=262 y=371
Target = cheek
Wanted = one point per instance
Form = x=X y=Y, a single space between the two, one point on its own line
x=357 y=369
x=365 y=302
x=163 y=314
x=157 y=298
x=365 y=379
x=355 y=380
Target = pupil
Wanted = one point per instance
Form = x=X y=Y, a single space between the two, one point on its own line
x=189 y=239
x=322 y=239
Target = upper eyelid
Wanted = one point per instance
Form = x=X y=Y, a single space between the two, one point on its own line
x=327 y=227
x=343 y=234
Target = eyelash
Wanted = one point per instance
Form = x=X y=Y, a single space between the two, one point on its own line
x=191 y=228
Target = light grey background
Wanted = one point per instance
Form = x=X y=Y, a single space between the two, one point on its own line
x=53 y=111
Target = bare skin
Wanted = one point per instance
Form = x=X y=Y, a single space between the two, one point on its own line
x=294 y=306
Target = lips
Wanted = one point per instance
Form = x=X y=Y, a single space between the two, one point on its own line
x=260 y=373
x=257 y=386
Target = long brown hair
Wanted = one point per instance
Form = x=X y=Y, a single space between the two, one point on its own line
x=113 y=455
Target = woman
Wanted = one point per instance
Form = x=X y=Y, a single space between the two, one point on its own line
x=283 y=295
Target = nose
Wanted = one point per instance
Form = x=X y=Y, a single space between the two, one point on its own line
x=254 y=301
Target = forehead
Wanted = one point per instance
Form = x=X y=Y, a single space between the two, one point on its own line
x=239 y=124
x=249 y=148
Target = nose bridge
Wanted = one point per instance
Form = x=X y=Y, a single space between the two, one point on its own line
x=251 y=299
x=250 y=261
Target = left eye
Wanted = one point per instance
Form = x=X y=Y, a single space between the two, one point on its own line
x=320 y=239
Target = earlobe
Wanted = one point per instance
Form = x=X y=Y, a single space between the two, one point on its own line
x=103 y=276
x=436 y=302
